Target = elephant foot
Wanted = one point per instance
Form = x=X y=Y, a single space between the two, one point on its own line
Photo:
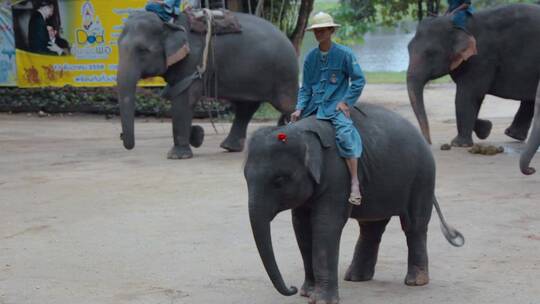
x=324 y=298
x=359 y=274
x=459 y=141
x=417 y=277
x=482 y=128
x=179 y=152
x=233 y=145
x=196 y=137
x=307 y=289
x=528 y=171
x=516 y=133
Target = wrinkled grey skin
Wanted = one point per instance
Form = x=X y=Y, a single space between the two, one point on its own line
x=507 y=66
x=305 y=174
x=256 y=65
x=534 y=140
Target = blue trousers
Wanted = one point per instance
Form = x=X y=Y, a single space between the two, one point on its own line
x=460 y=19
x=348 y=140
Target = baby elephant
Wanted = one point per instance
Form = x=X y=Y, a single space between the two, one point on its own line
x=297 y=167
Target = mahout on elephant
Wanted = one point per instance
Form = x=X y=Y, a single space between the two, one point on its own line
x=507 y=65
x=297 y=167
x=248 y=67
x=534 y=139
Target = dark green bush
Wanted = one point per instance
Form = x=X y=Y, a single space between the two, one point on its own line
x=94 y=100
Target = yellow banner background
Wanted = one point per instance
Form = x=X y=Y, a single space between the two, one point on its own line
x=91 y=28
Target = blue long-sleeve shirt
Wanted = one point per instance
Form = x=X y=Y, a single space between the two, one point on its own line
x=326 y=82
x=453 y=4
x=165 y=11
x=172 y=6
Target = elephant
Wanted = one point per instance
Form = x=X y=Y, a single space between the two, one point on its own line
x=534 y=139
x=258 y=64
x=297 y=167
x=507 y=66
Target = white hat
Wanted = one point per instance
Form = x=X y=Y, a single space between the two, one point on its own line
x=321 y=20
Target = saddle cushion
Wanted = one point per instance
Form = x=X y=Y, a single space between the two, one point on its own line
x=223 y=22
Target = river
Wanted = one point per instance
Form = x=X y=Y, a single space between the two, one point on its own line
x=382 y=50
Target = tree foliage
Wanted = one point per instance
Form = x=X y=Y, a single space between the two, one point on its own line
x=290 y=16
x=359 y=16
x=356 y=16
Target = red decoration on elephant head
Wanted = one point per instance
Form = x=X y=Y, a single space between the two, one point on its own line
x=282 y=137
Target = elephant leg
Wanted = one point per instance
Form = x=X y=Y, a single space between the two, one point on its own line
x=237 y=135
x=416 y=233
x=285 y=104
x=522 y=121
x=467 y=107
x=482 y=127
x=302 y=229
x=327 y=226
x=362 y=267
x=182 y=114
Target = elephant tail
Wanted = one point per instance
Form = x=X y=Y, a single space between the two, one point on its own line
x=453 y=236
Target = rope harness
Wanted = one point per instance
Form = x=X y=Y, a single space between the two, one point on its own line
x=172 y=91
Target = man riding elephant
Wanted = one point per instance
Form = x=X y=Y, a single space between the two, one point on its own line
x=326 y=92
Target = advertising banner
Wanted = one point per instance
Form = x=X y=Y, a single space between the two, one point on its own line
x=70 y=42
x=8 y=68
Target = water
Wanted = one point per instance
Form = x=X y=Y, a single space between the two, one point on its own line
x=382 y=50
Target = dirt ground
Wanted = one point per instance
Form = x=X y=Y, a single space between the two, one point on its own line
x=84 y=221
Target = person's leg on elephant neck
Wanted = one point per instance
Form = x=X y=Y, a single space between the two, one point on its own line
x=356 y=195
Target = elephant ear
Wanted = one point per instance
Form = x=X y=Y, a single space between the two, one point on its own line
x=314 y=156
x=319 y=135
x=176 y=43
x=464 y=47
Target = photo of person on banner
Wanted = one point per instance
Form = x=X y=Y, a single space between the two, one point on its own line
x=31 y=22
x=56 y=43
x=39 y=36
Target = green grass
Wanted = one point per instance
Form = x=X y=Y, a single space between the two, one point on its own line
x=267 y=112
x=396 y=78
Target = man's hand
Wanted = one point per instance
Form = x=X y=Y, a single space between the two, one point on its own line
x=343 y=107
x=296 y=115
x=55 y=48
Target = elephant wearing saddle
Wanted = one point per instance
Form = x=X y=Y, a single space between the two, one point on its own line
x=255 y=65
x=297 y=167
x=507 y=66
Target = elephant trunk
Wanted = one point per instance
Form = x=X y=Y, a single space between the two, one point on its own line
x=127 y=80
x=415 y=88
x=260 y=224
x=534 y=140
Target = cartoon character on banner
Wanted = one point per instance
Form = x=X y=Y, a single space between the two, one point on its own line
x=92 y=31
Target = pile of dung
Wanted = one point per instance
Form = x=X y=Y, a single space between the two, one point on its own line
x=446 y=147
x=486 y=149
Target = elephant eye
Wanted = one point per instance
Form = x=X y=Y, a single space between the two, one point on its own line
x=280 y=180
x=430 y=53
x=143 y=49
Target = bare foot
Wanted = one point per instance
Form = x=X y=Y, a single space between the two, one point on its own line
x=355 y=197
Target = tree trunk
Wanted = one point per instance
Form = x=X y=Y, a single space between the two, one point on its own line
x=433 y=7
x=249 y=7
x=420 y=13
x=260 y=8
x=301 y=24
